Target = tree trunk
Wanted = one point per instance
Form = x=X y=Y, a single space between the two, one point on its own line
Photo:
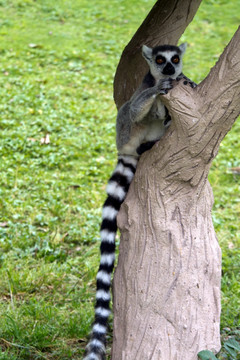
x=167 y=282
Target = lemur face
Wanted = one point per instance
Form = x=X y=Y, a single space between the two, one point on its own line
x=164 y=61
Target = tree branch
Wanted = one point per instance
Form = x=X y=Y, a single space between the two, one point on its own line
x=222 y=87
x=202 y=116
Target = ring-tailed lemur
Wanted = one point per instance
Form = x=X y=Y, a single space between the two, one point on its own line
x=141 y=122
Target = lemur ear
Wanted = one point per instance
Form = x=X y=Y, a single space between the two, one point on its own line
x=147 y=53
x=183 y=47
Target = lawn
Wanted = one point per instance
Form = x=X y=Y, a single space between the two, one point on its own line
x=57 y=145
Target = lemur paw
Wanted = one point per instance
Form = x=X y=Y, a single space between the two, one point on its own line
x=186 y=81
x=192 y=84
x=165 y=85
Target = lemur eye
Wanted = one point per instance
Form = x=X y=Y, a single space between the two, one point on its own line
x=175 y=59
x=160 y=60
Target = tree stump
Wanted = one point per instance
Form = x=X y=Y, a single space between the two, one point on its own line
x=167 y=282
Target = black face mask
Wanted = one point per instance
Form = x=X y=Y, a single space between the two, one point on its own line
x=168 y=69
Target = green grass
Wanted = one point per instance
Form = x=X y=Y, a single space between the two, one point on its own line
x=58 y=59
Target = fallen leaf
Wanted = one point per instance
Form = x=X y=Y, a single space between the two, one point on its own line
x=34 y=46
x=45 y=139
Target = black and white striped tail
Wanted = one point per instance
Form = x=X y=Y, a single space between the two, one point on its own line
x=117 y=189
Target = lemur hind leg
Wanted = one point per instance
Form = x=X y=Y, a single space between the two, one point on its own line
x=145 y=146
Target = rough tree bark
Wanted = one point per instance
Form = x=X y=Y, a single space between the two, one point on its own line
x=167 y=282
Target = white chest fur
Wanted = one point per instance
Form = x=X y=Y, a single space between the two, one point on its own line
x=158 y=110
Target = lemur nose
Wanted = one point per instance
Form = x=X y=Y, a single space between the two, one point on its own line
x=168 y=69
